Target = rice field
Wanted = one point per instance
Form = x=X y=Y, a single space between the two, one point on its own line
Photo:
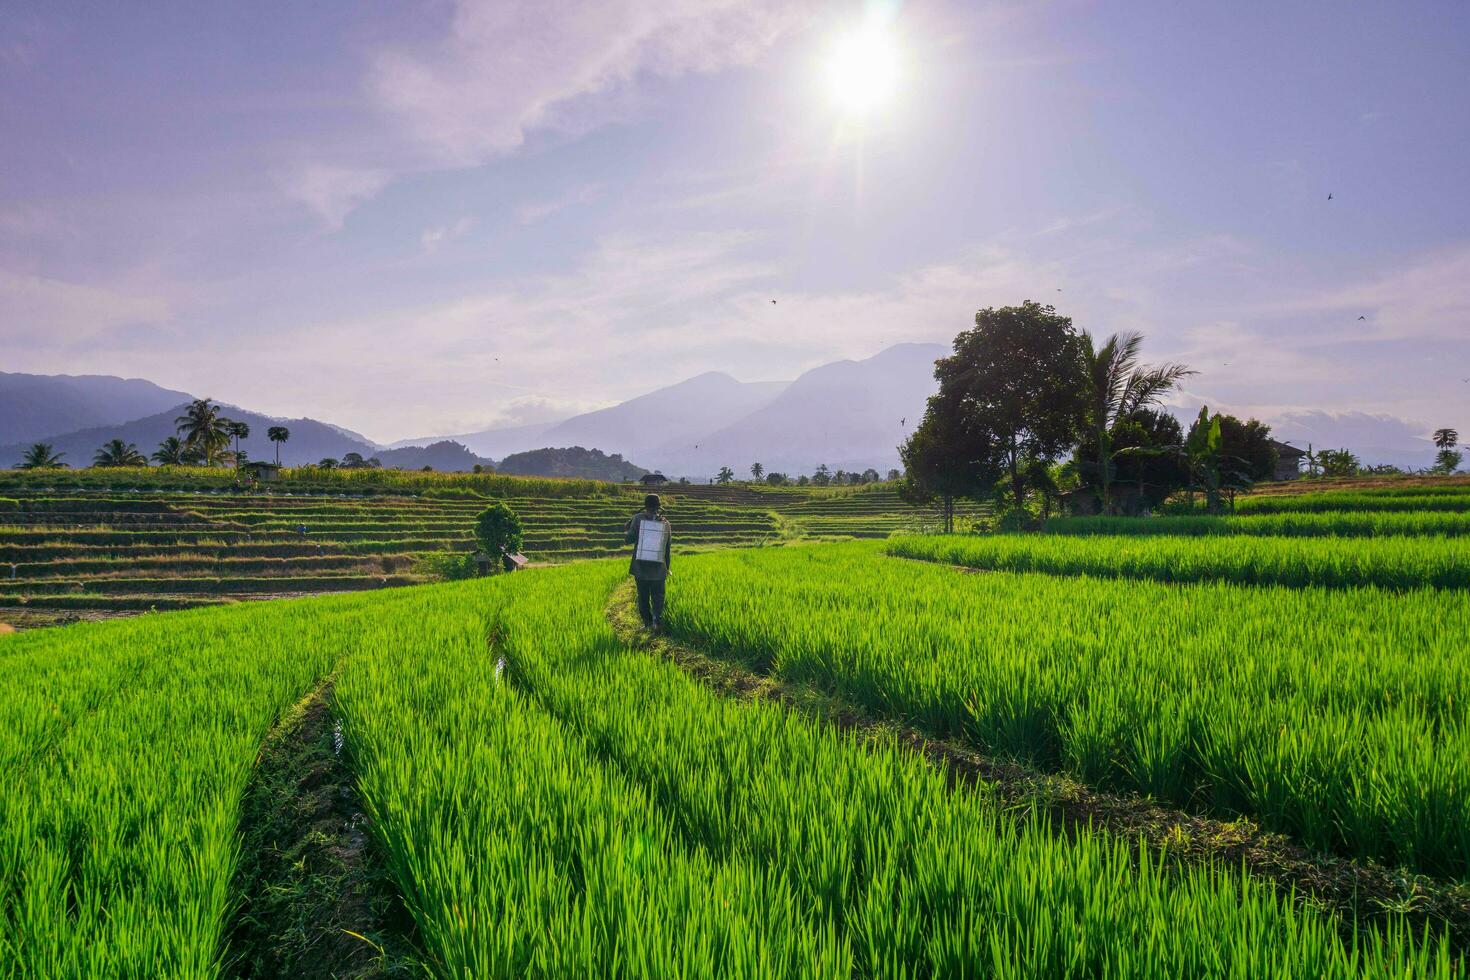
x=1386 y=562
x=1356 y=740
x=552 y=803
x=547 y=799
x=1339 y=524
x=1452 y=499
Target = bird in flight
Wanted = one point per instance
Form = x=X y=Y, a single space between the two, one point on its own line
x=1329 y=195
x=773 y=302
x=1362 y=318
x=903 y=420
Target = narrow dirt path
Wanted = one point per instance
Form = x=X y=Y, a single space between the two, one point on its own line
x=1358 y=891
x=313 y=898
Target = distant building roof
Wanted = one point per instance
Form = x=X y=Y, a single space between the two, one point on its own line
x=1289 y=452
x=650 y=478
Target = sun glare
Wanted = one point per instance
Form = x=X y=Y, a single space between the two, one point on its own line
x=862 y=71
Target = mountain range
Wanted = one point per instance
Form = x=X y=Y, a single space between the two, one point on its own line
x=846 y=414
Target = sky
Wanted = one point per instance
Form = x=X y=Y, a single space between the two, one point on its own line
x=420 y=218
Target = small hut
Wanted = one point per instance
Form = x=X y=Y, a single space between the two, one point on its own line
x=653 y=479
x=513 y=562
x=484 y=564
x=1288 y=461
x=262 y=471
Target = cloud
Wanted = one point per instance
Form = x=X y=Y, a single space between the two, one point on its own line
x=531 y=213
x=506 y=68
x=331 y=192
x=1427 y=297
x=50 y=313
x=432 y=238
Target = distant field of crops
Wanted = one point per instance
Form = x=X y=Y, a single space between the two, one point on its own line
x=1356 y=524
x=1356 y=738
x=1391 y=563
x=125 y=549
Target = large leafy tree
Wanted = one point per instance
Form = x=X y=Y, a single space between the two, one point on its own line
x=1117 y=386
x=1015 y=384
x=278 y=434
x=42 y=456
x=1146 y=447
x=115 y=452
x=205 y=430
x=942 y=458
x=1246 y=446
x=498 y=530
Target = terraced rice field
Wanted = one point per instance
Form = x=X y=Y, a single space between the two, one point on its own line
x=1160 y=755
x=88 y=548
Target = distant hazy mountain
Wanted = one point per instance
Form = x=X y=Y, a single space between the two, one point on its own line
x=588 y=464
x=848 y=414
x=679 y=415
x=1373 y=438
x=33 y=406
x=493 y=443
x=310 y=440
x=445 y=456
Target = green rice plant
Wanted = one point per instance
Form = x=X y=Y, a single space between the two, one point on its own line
x=125 y=749
x=1332 y=523
x=1391 y=563
x=1337 y=716
x=555 y=804
x=1351 y=500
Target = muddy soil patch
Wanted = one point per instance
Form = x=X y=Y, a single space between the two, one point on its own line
x=1359 y=891
x=314 y=897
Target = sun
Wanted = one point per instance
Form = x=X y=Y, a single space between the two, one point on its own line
x=862 y=71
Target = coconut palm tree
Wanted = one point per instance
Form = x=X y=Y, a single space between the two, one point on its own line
x=115 y=452
x=278 y=434
x=42 y=457
x=1445 y=439
x=204 y=429
x=171 y=452
x=1118 y=386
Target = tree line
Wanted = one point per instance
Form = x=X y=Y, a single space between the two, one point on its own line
x=1031 y=409
x=822 y=476
x=204 y=439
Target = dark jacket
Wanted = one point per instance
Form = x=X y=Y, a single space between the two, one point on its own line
x=650 y=571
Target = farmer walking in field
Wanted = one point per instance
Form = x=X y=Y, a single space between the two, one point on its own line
x=649 y=534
